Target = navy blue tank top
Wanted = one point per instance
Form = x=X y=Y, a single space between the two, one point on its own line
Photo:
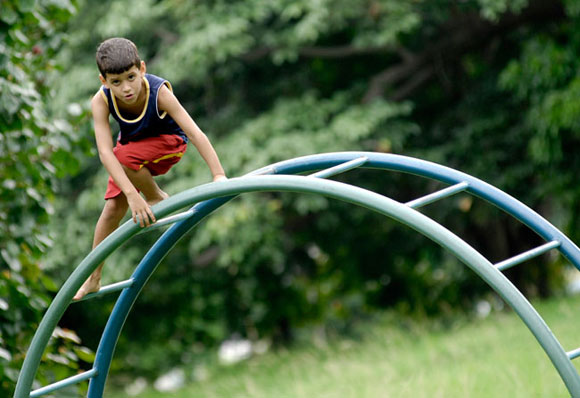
x=150 y=123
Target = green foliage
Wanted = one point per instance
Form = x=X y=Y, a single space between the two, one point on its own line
x=307 y=124
x=35 y=149
x=545 y=84
x=215 y=35
x=493 y=9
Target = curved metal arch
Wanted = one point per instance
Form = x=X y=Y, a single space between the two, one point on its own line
x=356 y=195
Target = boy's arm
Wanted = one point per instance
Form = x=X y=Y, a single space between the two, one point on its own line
x=141 y=212
x=166 y=101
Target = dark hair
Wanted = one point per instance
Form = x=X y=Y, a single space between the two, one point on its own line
x=117 y=55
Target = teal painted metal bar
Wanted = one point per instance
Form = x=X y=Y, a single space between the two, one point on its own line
x=341 y=168
x=528 y=255
x=112 y=288
x=169 y=220
x=574 y=354
x=435 y=196
x=547 y=340
x=64 y=383
x=263 y=171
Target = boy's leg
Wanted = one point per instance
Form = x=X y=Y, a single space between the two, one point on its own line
x=143 y=180
x=112 y=214
x=116 y=207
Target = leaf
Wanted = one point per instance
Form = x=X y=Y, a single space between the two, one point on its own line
x=66 y=334
x=8 y=15
x=84 y=354
x=26 y=5
x=5 y=355
x=11 y=260
x=19 y=36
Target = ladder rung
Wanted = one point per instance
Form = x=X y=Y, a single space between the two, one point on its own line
x=114 y=287
x=574 y=354
x=169 y=220
x=520 y=258
x=435 y=196
x=340 y=168
x=64 y=383
x=262 y=172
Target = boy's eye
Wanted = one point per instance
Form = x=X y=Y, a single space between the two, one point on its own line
x=115 y=82
x=131 y=77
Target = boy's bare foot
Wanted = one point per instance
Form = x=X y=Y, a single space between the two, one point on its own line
x=91 y=285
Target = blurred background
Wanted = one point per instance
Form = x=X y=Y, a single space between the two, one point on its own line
x=489 y=87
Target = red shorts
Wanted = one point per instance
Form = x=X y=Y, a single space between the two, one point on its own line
x=157 y=154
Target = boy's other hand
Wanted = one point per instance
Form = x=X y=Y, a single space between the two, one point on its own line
x=140 y=210
x=220 y=177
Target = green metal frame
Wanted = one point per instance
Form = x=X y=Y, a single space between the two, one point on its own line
x=210 y=196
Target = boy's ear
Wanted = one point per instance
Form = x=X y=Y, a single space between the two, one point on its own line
x=143 y=68
x=103 y=80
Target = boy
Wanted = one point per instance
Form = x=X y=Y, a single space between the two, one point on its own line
x=155 y=129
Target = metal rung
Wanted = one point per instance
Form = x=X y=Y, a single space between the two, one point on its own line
x=574 y=354
x=520 y=258
x=262 y=172
x=64 y=383
x=114 y=287
x=169 y=220
x=435 y=196
x=340 y=168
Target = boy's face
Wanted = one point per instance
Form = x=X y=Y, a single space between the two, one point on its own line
x=126 y=86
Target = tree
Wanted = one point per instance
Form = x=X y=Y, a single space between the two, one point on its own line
x=35 y=149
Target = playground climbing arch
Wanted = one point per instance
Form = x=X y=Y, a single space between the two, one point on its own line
x=307 y=174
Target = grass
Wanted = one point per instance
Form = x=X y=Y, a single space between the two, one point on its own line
x=492 y=357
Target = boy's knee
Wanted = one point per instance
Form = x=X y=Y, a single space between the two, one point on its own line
x=128 y=171
x=116 y=208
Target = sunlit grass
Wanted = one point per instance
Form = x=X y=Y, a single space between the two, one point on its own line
x=492 y=357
